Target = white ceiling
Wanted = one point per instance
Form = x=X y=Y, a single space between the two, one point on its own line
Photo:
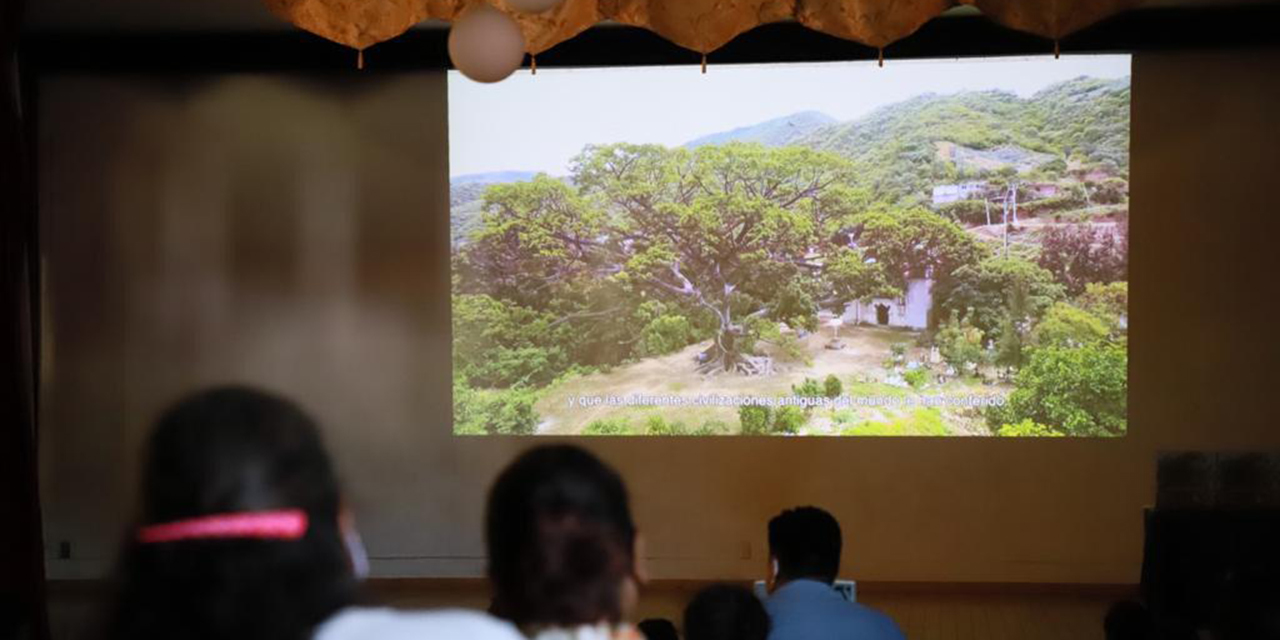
x=228 y=15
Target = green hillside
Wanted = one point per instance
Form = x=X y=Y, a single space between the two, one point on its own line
x=903 y=150
x=778 y=132
x=1083 y=122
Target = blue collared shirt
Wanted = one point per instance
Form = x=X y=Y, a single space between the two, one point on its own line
x=812 y=610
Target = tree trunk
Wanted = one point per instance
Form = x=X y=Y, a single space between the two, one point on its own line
x=725 y=353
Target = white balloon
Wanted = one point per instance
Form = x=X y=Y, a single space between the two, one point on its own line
x=486 y=44
x=532 y=6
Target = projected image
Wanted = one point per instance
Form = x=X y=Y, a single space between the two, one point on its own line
x=935 y=248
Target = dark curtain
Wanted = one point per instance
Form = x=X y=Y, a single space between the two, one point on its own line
x=23 y=611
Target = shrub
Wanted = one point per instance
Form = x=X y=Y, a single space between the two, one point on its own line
x=1068 y=326
x=492 y=411
x=1081 y=391
x=960 y=344
x=1107 y=301
x=832 y=387
x=657 y=426
x=791 y=349
x=968 y=212
x=916 y=377
x=761 y=421
x=712 y=428
x=810 y=388
x=607 y=428
x=920 y=422
x=1027 y=428
x=789 y=419
x=755 y=421
x=664 y=334
x=501 y=344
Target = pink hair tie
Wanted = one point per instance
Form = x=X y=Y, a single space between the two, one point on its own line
x=283 y=524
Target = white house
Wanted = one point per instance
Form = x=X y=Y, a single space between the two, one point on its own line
x=910 y=311
x=945 y=193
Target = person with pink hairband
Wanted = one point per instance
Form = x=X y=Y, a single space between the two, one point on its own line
x=243 y=535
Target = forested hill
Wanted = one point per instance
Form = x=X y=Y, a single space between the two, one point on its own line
x=905 y=149
x=778 y=132
x=931 y=139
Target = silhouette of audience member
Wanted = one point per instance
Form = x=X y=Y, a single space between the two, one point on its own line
x=1128 y=620
x=1249 y=607
x=658 y=629
x=725 y=612
x=562 y=546
x=13 y=621
x=804 y=557
x=243 y=535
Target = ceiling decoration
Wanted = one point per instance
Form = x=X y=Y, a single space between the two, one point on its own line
x=359 y=24
x=1052 y=19
x=699 y=25
x=876 y=23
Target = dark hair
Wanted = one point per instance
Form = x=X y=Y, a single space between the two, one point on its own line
x=806 y=541
x=658 y=629
x=561 y=539
x=231 y=450
x=1127 y=620
x=725 y=612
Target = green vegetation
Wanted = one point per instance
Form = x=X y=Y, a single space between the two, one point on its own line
x=810 y=388
x=985 y=293
x=1028 y=428
x=789 y=419
x=759 y=421
x=492 y=411
x=645 y=251
x=1085 y=121
x=608 y=428
x=832 y=387
x=1080 y=391
x=919 y=422
x=960 y=344
x=1080 y=255
x=755 y=421
x=1068 y=326
x=917 y=378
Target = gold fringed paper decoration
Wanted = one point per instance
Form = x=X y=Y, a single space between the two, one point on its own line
x=555 y=25
x=358 y=24
x=875 y=23
x=880 y=57
x=700 y=25
x=360 y=59
x=1056 y=50
x=704 y=64
x=533 y=65
x=1051 y=19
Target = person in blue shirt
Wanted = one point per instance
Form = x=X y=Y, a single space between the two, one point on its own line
x=804 y=557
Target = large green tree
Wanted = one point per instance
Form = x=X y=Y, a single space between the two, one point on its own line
x=1080 y=391
x=999 y=291
x=723 y=236
x=721 y=229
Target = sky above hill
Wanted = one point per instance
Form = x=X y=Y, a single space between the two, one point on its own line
x=538 y=123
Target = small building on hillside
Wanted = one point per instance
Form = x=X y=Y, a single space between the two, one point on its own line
x=910 y=311
x=944 y=193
